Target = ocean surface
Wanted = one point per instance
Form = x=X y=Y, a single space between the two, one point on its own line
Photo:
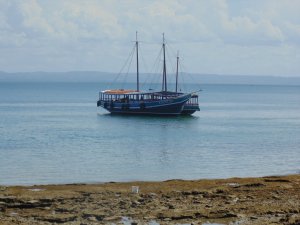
x=54 y=133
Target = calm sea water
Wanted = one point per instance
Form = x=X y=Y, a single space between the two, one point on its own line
x=54 y=133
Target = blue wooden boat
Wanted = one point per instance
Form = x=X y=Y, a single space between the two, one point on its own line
x=143 y=103
x=137 y=102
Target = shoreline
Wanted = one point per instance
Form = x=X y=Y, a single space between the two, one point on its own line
x=255 y=200
x=296 y=173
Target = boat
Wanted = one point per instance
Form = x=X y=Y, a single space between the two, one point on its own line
x=137 y=102
x=149 y=103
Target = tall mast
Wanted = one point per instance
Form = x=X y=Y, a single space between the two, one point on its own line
x=177 y=71
x=164 y=85
x=137 y=63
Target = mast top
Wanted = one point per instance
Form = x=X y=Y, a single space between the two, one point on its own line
x=163 y=38
x=136 y=36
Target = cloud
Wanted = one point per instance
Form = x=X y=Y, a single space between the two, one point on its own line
x=34 y=17
x=72 y=34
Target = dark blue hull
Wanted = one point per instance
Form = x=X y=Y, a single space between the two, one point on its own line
x=189 y=109
x=173 y=106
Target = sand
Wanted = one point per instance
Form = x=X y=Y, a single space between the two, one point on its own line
x=265 y=200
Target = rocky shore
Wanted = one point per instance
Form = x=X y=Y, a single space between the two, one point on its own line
x=266 y=200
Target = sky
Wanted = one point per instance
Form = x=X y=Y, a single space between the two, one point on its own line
x=236 y=37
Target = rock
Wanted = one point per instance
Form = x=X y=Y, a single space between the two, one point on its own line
x=182 y=217
x=235 y=200
x=36 y=189
x=28 y=204
x=152 y=194
x=8 y=199
x=96 y=216
x=277 y=180
x=171 y=206
x=294 y=211
x=254 y=185
x=134 y=204
x=197 y=192
x=112 y=218
x=185 y=193
x=199 y=215
x=62 y=210
x=220 y=191
x=3 y=188
x=92 y=218
x=59 y=219
x=222 y=214
x=276 y=197
x=235 y=185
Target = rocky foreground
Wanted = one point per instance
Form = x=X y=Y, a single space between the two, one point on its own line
x=266 y=200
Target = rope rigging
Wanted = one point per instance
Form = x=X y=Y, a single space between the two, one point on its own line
x=157 y=71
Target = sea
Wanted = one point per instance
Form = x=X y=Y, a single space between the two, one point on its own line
x=53 y=133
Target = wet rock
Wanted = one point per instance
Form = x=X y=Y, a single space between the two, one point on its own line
x=199 y=215
x=293 y=211
x=222 y=214
x=166 y=196
x=276 y=197
x=182 y=217
x=134 y=204
x=194 y=192
x=8 y=199
x=198 y=192
x=112 y=218
x=59 y=219
x=297 y=222
x=277 y=180
x=63 y=210
x=186 y=193
x=28 y=204
x=254 y=185
x=92 y=218
x=220 y=191
x=161 y=216
x=97 y=216
x=153 y=195
x=249 y=197
x=171 y=206
x=196 y=201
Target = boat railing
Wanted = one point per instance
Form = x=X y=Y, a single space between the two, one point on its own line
x=193 y=100
x=125 y=98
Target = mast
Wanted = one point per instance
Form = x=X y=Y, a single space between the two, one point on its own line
x=164 y=84
x=177 y=71
x=137 y=63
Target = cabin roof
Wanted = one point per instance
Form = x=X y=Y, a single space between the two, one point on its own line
x=134 y=92
x=119 y=91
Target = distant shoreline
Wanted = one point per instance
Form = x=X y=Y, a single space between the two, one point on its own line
x=263 y=200
x=92 y=76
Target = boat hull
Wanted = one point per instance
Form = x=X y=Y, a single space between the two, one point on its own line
x=189 y=109
x=172 y=106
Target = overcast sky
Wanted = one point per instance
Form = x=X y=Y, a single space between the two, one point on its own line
x=257 y=37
